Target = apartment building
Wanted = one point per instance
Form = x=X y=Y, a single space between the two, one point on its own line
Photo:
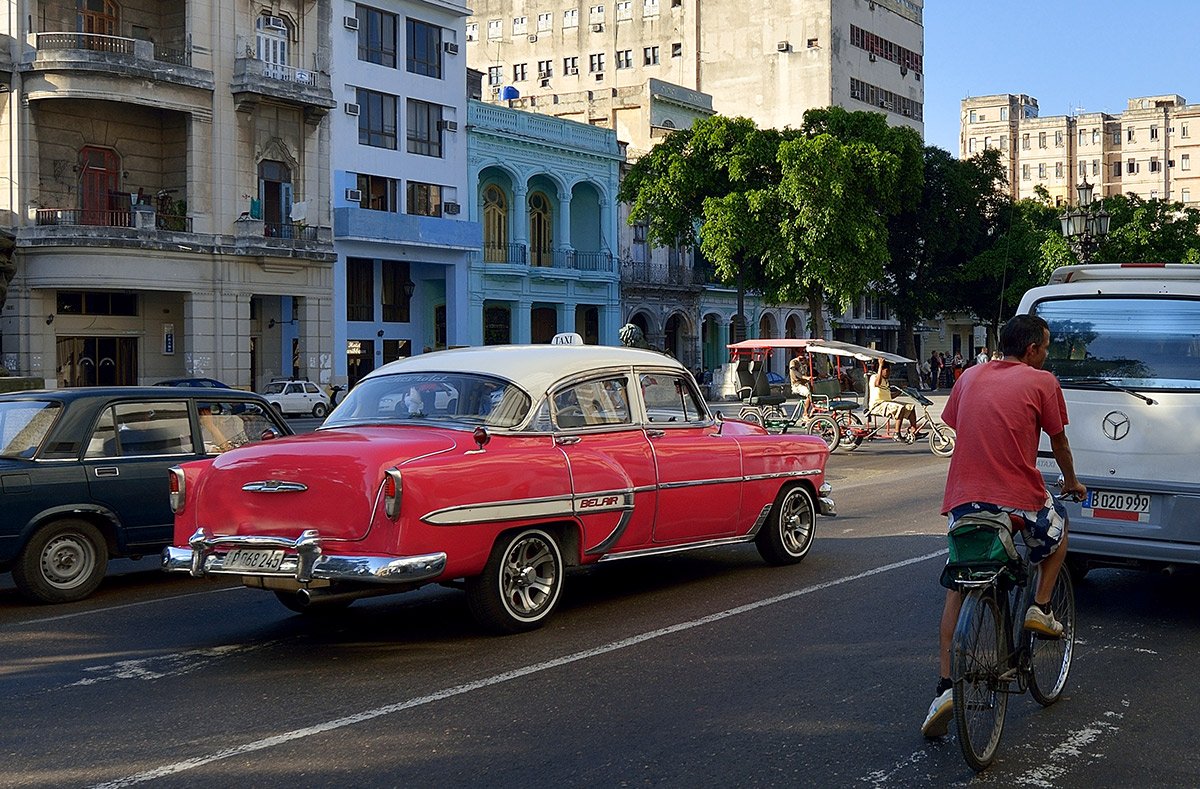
x=401 y=230
x=766 y=61
x=1146 y=150
x=167 y=190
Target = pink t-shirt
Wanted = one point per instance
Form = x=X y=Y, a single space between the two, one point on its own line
x=998 y=411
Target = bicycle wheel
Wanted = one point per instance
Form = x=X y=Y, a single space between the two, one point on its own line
x=826 y=428
x=1050 y=658
x=750 y=414
x=979 y=659
x=941 y=439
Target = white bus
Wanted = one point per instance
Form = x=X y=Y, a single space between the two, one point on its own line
x=1125 y=345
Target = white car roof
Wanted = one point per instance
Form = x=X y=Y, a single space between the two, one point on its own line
x=534 y=368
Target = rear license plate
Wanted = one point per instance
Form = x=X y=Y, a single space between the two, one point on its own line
x=1117 y=505
x=253 y=559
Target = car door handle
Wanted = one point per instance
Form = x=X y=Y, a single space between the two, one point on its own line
x=655 y=433
x=108 y=471
x=566 y=440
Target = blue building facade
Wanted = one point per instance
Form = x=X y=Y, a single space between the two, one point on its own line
x=543 y=192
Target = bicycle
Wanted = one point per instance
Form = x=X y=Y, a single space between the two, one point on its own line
x=940 y=436
x=992 y=655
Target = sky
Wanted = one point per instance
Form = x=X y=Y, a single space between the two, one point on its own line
x=1070 y=55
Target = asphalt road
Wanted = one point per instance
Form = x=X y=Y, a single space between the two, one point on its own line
x=699 y=669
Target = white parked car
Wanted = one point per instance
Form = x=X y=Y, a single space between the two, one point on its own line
x=297 y=397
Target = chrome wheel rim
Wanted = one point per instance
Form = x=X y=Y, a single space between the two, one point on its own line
x=796 y=523
x=530 y=576
x=67 y=561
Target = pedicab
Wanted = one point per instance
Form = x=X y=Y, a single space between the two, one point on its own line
x=834 y=407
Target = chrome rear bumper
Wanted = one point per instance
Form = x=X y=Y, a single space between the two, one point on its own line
x=824 y=503
x=304 y=561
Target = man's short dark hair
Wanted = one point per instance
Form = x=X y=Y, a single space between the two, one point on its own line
x=1020 y=332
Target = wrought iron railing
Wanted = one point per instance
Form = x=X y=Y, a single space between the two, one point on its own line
x=639 y=272
x=511 y=252
x=119 y=45
x=97 y=217
x=290 y=231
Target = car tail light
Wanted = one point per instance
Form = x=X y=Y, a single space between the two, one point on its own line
x=176 y=484
x=391 y=493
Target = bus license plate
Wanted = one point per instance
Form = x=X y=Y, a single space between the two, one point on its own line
x=1117 y=505
x=252 y=559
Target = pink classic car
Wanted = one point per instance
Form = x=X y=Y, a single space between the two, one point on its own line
x=500 y=465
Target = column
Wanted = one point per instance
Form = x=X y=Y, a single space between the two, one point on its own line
x=518 y=227
x=522 y=330
x=562 y=227
x=200 y=331
x=315 y=322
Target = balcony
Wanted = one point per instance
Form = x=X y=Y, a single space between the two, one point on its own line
x=141 y=218
x=256 y=80
x=661 y=274
x=139 y=227
x=110 y=63
x=511 y=254
x=515 y=259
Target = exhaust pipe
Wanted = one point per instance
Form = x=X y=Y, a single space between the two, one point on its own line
x=1168 y=570
x=315 y=597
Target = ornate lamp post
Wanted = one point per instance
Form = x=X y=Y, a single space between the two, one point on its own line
x=1084 y=227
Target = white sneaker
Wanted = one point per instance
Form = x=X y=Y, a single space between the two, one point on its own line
x=1043 y=623
x=937 y=721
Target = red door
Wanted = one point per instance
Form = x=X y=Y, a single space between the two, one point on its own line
x=98 y=187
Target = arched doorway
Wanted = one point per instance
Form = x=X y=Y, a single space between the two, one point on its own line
x=794 y=328
x=99 y=17
x=275 y=191
x=495 y=225
x=674 y=332
x=541 y=235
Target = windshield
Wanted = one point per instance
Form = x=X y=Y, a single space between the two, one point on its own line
x=1139 y=342
x=451 y=397
x=24 y=425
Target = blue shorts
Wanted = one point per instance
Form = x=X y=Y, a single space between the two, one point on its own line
x=1042 y=529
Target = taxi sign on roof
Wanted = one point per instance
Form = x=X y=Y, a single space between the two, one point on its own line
x=567 y=338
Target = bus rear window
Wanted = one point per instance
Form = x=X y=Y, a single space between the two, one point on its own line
x=1138 y=342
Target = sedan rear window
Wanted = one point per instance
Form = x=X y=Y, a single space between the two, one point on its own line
x=448 y=397
x=24 y=425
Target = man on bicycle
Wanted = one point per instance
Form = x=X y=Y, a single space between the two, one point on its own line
x=998 y=411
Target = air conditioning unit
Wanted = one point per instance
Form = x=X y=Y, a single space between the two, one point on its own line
x=783 y=46
x=532 y=38
x=354 y=195
x=450 y=126
x=871 y=57
x=274 y=23
x=496 y=91
x=917 y=76
x=573 y=71
x=903 y=71
x=350 y=108
x=350 y=22
x=598 y=27
x=544 y=82
x=304 y=77
x=450 y=47
x=451 y=208
x=599 y=76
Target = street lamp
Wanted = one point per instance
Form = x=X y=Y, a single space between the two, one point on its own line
x=1083 y=227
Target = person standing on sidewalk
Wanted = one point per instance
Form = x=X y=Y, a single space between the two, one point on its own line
x=999 y=411
x=935 y=367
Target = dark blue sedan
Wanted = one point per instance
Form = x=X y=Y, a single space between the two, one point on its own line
x=83 y=474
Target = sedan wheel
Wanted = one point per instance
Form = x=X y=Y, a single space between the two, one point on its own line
x=789 y=530
x=521 y=583
x=320 y=410
x=64 y=561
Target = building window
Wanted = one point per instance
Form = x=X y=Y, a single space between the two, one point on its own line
x=571 y=65
x=596 y=14
x=1082 y=141
x=974 y=117
x=495 y=225
x=1185 y=161
x=1025 y=172
x=88 y=302
x=1024 y=142
x=571 y=17
x=360 y=289
x=624 y=10
x=1095 y=167
x=1183 y=130
x=495 y=75
x=1095 y=136
x=677 y=50
x=378 y=193
x=519 y=72
x=625 y=58
x=424 y=199
x=424 y=128
x=1041 y=139
x=1042 y=171
x=1082 y=169
x=596 y=63
x=494 y=29
x=650 y=8
x=1131 y=166
x=545 y=69
x=1154 y=165
x=376 y=36
x=1154 y=131
x=424 y=48
x=971 y=145
x=395 y=303
x=1004 y=113
x=1058 y=170
x=1185 y=195
x=650 y=56
x=987 y=143
x=545 y=22
x=1116 y=137
x=520 y=25
x=1116 y=169
x=1058 y=139
x=1131 y=134
x=1004 y=142
x=1153 y=194
x=376 y=118
x=473 y=31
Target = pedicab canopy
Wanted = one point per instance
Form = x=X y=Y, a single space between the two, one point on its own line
x=810 y=345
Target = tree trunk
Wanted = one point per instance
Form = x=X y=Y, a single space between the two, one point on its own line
x=816 y=312
x=904 y=347
x=739 y=320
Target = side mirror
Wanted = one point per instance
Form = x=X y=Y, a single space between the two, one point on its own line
x=269 y=433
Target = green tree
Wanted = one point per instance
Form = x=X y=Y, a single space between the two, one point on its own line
x=1150 y=231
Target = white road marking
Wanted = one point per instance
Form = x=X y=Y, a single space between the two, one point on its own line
x=61 y=617
x=160 y=666
x=1070 y=749
x=496 y=679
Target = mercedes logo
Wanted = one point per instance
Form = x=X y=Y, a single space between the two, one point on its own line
x=1115 y=425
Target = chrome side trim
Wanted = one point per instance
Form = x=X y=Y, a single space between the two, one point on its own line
x=308 y=563
x=553 y=507
x=274 y=486
x=612 y=538
x=760 y=520
x=692 y=483
x=677 y=548
x=812 y=472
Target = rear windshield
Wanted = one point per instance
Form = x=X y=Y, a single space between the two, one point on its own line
x=1138 y=342
x=445 y=397
x=24 y=425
